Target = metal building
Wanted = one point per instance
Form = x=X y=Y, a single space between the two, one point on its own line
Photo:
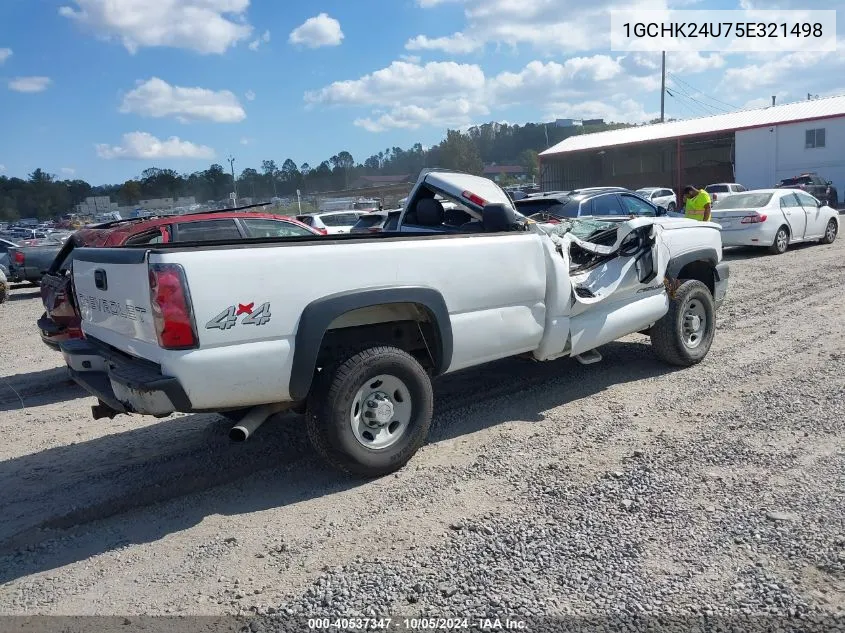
x=755 y=148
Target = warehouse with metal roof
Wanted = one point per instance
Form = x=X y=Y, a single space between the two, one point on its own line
x=755 y=148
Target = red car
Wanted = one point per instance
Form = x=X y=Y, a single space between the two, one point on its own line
x=61 y=320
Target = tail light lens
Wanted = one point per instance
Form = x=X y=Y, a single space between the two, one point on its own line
x=754 y=219
x=474 y=198
x=323 y=231
x=20 y=258
x=171 y=304
x=375 y=229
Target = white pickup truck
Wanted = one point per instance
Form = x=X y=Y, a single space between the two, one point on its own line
x=352 y=329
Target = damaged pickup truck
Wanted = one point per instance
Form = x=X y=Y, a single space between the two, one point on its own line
x=356 y=342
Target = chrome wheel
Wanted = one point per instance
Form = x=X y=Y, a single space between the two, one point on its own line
x=781 y=240
x=381 y=412
x=695 y=324
x=830 y=232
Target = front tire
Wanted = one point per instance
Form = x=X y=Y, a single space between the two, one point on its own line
x=685 y=333
x=830 y=232
x=781 y=242
x=371 y=413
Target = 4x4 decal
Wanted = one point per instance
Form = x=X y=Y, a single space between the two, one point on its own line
x=229 y=317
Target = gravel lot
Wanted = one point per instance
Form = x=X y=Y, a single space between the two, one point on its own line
x=620 y=488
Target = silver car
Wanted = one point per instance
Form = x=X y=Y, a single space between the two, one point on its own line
x=660 y=197
x=774 y=219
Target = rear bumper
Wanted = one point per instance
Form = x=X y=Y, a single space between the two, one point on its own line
x=762 y=234
x=52 y=334
x=124 y=383
x=720 y=286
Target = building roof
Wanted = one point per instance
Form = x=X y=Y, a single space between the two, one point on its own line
x=504 y=169
x=742 y=119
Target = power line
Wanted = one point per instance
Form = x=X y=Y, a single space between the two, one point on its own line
x=708 y=108
x=695 y=106
x=704 y=94
x=687 y=108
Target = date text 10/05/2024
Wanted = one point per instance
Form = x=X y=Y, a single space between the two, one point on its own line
x=417 y=624
x=723 y=29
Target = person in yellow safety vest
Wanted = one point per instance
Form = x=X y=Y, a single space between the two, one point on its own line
x=696 y=204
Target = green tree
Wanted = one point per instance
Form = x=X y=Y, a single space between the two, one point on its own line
x=459 y=152
x=130 y=192
x=529 y=160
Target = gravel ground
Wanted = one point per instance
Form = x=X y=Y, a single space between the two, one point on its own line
x=619 y=489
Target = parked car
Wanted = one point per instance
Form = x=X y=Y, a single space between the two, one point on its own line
x=591 y=202
x=5 y=260
x=332 y=222
x=30 y=260
x=813 y=185
x=377 y=222
x=360 y=338
x=60 y=320
x=660 y=197
x=722 y=190
x=774 y=219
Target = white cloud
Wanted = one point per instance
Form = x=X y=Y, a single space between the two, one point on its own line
x=145 y=146
x=316 y=32
x=30 y=84
x=451 y=112
x=5 y=53
x=2 y=168
x=205 y=26
x=552 y=27
x=456 y=44
x=409 y=95
x=250 y=95
x=810 y=72
x=411 y=59
x=68 y=171
x=254 y=45
x=619 y=108
x=403 y=81
x=156 y=98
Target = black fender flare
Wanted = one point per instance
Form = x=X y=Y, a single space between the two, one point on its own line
x=319 y=314
x=676 y=264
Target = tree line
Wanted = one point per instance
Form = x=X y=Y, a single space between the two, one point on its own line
x=43 y=195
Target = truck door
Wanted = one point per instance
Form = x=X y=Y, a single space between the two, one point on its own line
x=630 y=269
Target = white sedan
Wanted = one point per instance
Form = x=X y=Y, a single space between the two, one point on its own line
x=774 y=218
x=660 y=197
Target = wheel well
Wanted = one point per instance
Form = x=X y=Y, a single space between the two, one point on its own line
x=701 y=271
x=410 y=327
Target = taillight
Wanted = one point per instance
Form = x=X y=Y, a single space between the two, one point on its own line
x=375 y=229
x=475 y=199
x=715 y=197
x=20 y=258
x=170 y=299
x=754 y=219
x=323 y=231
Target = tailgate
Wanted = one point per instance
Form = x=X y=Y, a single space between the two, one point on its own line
x=113 y=294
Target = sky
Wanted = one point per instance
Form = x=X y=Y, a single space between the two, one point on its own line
x=102 y=89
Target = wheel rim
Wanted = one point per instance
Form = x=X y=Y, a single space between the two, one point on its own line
x=830 y=234
x=695 y=324
x=781 y=240
x=380 y=412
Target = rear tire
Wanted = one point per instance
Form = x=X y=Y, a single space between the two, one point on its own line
x=4 y=288
x=685 y=333
x=781 y=242
x=671 y=208
x=369 y=414
x=830 y=232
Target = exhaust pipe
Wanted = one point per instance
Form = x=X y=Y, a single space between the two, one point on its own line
x=255 y=418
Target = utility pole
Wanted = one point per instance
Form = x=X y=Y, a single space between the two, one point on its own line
x=234 y=182
x=663 y=89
